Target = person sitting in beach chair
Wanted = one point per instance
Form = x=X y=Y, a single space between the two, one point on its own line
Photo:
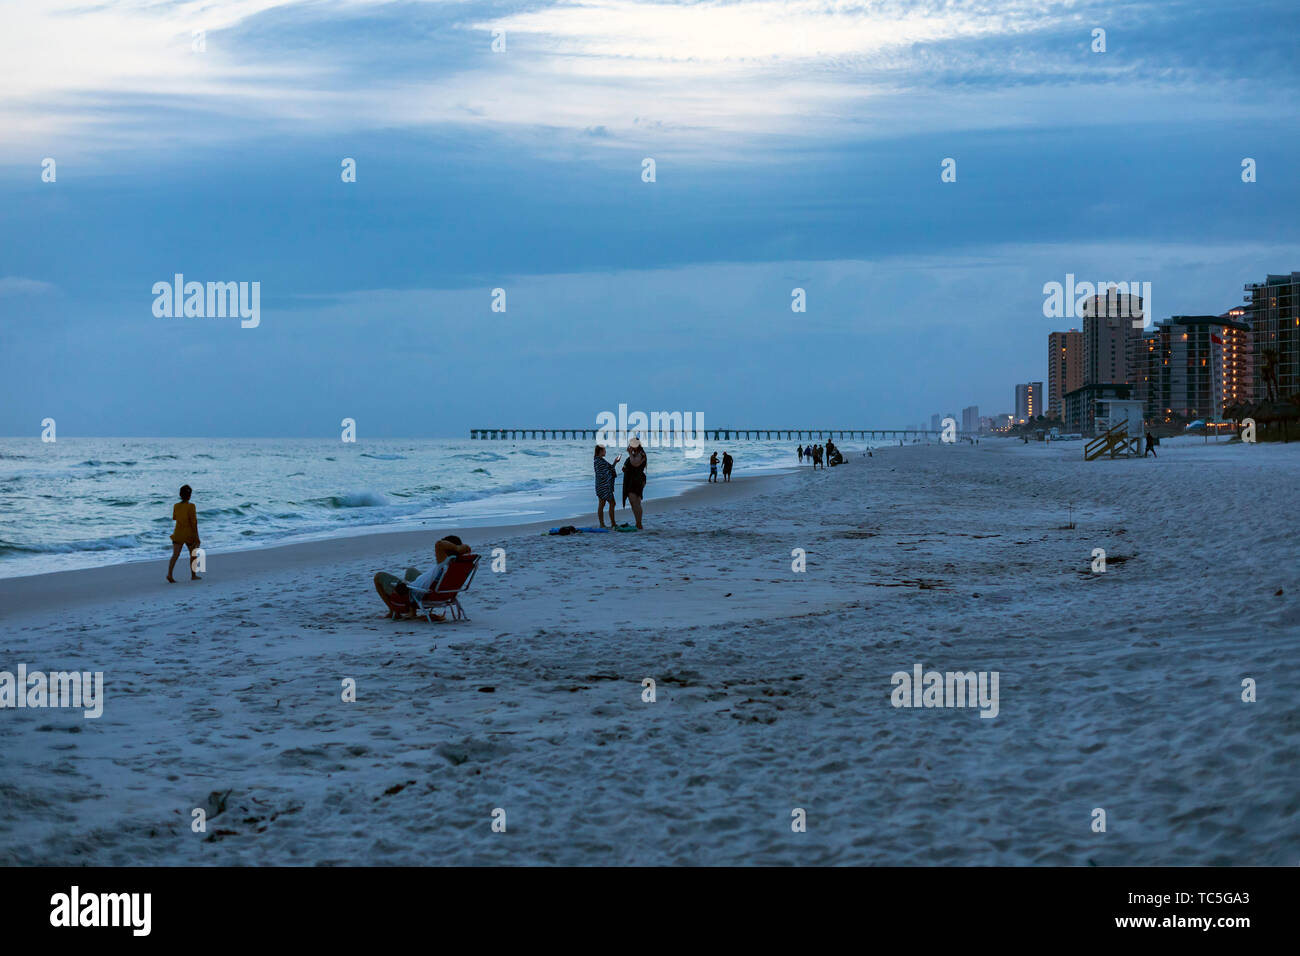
x=410 y=596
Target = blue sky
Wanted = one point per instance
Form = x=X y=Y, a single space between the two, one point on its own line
x=797 y=144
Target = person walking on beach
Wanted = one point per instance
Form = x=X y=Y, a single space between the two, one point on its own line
x=1151 y=447
x=799 y=449
x=605 y=475
x=727 y=462
x=634 y=478
x=186 y=533
x=713 y=467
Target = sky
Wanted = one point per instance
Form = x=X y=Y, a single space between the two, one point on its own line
x=796 y=145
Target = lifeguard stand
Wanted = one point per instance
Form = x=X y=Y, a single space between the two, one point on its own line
x=1119 y=428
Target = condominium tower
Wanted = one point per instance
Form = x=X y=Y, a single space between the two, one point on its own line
x=1064 y=368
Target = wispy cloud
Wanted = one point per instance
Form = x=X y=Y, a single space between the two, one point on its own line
x=702 y=76
x=16 y=285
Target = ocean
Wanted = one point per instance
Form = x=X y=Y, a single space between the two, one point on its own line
x=86 y=502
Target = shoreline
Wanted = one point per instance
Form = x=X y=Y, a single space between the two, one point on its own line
x=23 y=595
x=119 y=493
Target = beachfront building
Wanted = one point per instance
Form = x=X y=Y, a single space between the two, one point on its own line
x=1089 y=403
x=1064 y=368
x=1112 y=338
x=1029 y=401
x=936 y=422
x=1192 y=366
x=1234 y=376
x=1273 y=310
x=970 y=419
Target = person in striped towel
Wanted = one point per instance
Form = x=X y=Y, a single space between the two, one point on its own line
x=605 y=475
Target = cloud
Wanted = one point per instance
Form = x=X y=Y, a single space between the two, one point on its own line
x=708 y=34
x=706 y=77
x=15 y=285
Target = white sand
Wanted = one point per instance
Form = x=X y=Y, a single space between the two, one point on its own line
x=1119 y=691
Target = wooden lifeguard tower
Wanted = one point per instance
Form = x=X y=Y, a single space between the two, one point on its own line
x=1119 y=428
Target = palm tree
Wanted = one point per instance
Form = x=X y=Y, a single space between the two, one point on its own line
x=1268 y=373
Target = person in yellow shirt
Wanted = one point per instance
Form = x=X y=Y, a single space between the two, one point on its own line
x=186 y=533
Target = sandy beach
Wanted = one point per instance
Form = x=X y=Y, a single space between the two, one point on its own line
x=1119 y=690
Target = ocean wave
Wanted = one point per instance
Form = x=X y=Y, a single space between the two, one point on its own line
x=354 y=499
x=111 y=543
x=532 y=484
x=96 y=463
x=237 y=510
x=480 y=456
x=534 y=453
x=366 y=454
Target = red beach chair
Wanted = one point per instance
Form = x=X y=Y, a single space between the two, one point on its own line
x=456 y=577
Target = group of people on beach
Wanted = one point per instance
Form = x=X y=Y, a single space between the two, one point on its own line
x=633 y=481
x=727 y=462
x=821 y=457
x=634 y=478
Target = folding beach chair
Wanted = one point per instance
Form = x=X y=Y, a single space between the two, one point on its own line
x=456 y=576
